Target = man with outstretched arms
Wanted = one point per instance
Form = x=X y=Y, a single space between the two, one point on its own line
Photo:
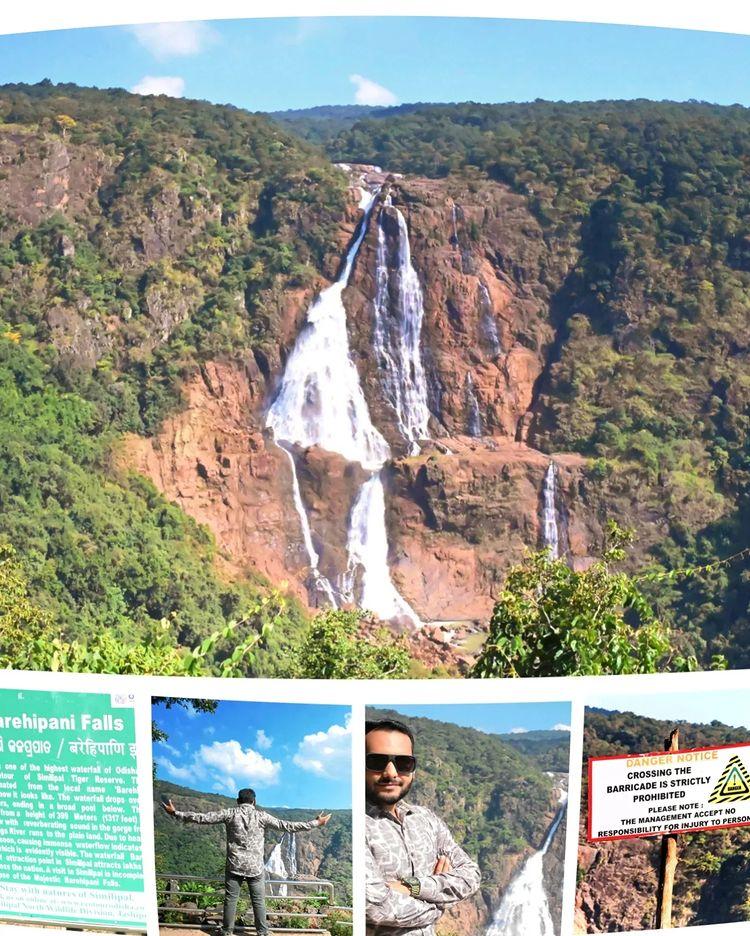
x=414 y=868
x=245 y=827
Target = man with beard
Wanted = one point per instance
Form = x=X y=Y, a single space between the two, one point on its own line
x=415 y=870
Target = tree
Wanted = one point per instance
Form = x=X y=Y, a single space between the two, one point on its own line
x=333 y=648
x=551 y=620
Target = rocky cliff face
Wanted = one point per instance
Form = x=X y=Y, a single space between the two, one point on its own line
x=470 y=502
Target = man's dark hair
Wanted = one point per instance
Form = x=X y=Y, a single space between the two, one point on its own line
x=246 y=796
x=389 y=724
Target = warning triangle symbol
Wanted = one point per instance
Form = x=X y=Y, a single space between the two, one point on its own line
x=733 y=784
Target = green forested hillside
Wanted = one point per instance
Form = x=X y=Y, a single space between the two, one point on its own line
x=645 y=205
x=712 y=883
x=185 y=848
x=100 y=323
x=497 y=801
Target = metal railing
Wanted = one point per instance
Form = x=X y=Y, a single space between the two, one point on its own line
x=171 y=892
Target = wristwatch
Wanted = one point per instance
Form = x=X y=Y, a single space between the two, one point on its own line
x=413 y=884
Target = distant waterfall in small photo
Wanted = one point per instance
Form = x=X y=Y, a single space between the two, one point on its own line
x=454 y=218
x=397 y=336
x=473 y=415
x=276 y=870
x=290 y=838
x=524 y=910
x=551 y=531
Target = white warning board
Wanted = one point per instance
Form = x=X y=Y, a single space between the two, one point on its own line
x=631 y=795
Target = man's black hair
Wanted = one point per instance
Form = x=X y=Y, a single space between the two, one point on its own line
x=246 y=796
x=389 y=724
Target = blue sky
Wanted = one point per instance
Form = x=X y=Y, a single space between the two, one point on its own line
x=496 y=718
x=730 y=708
x=291 y=755
x=288 y=63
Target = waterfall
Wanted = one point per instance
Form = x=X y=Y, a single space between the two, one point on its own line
x=396 y=337
x=454 y=217
x=368 y=554
x=291 y=852
x=277 y=870
x=549 y=515
x=524 y=910
x=320 y=402
x=321 y=582
x=488 y=325
x=473 y=416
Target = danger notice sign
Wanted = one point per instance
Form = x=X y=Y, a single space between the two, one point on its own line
x=631 y=795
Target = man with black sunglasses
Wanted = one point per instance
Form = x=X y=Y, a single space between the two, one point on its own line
x=415 y=870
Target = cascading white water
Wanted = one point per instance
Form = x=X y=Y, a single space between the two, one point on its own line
x=368 y=554
x=549 y=515
x=524 y=910
x=473 y=415
x=454 y=218
x=397 y=334
x=320 y=402
x=291 y=852
x=321 y=582
x=488 y=324
x=276 y=870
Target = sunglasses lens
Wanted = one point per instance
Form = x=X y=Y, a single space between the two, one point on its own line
x=376 y=761
x=404 y=763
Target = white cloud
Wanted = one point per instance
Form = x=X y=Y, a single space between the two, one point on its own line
x=226 y=765
x=175 y=752
x=171 y=85
x=368 y=92
x=233 y=766
x=262 y=740
x=164 y=40
x=518 y=730
x=172 y=770
x=561 y=727
x=326 y=753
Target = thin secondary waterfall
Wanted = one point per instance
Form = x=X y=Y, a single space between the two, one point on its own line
x=321 y=402
x=397 y=337
x=321 y=582
x=549 y=515
x=473 y=415
x=488 y=325
x=524 y=910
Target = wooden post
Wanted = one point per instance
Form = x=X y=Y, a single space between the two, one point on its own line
x=668 y=859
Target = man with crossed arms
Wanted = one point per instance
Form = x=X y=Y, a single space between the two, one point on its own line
x=414 y=868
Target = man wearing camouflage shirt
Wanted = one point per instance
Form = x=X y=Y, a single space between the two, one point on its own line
x=245 y=827
x=414 y=868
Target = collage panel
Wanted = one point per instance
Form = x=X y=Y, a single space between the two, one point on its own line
x=252 y=817
x=664 y=838
x=466 y=809
x=71 y=851
x=421 y=366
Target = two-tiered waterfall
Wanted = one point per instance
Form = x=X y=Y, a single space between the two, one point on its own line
x=551 y=532
x=321 y=402
x=524 y=910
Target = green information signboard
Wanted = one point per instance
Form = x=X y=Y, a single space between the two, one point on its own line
x=70 y=844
